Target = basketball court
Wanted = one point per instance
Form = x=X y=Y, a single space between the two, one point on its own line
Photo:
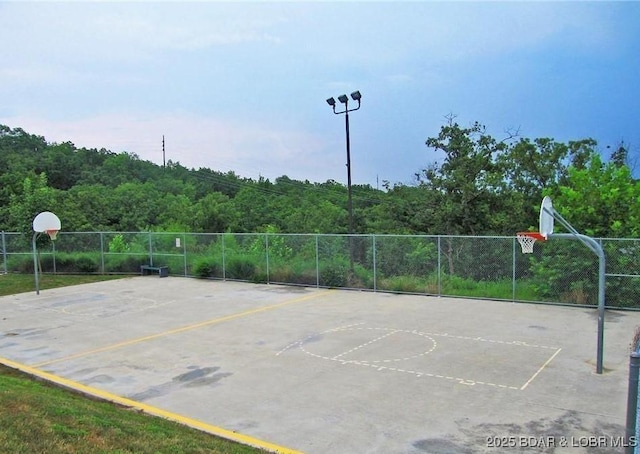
x=296 y=369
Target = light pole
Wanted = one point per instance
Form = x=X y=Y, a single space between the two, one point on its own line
x=356 y=96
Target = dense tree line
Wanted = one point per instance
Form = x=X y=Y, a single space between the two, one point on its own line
x=482 y=186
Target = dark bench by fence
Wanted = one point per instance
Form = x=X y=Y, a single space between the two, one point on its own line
x=163 y=271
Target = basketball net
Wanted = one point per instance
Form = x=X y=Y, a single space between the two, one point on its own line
x=52 y=234
x=528 y=239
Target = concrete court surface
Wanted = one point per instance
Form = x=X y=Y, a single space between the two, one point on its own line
x=336 y=371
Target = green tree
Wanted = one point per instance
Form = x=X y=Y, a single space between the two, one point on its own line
x=136 y=206
x=87 y=207
x=254 y=204
x=215 y=213
x=316 y=216
x=530 y=168
x=601 y=199
x=36 y=196
x=467 y=182
x=62 y=165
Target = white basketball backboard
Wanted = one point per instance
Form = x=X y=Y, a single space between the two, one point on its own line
x=546 y=217
x=46 y=221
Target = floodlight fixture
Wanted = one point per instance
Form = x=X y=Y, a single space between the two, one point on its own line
x=331 y=102
x=343 y=99
x=356 y=95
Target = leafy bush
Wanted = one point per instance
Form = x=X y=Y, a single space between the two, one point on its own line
x=334 y=274
x=23 y=265
x=124 y=263
x=206 y=268
x=240 y=267
x=409 y=284
x=118 y=244
x=305 y=277
x=85 y=264
x=567 y=273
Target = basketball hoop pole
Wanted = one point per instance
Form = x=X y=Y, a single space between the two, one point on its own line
x=45 y=222
x=595 y=247
x=35 y=261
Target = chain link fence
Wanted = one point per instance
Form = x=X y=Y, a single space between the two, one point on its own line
x=492 y=267
x=632 y=433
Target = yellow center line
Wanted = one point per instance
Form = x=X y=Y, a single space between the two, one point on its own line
x=194 y=423
x=181 y=329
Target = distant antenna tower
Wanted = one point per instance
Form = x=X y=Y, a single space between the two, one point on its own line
x=164 y=162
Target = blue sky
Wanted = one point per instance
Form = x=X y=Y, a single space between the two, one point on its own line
x=242 y=86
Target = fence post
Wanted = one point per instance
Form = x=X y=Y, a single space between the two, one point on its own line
x=439 y=266
x=101 y=251
x=632 y=402
x=4 y=253
x=184 y=253
x=150 y=250
x=375 y=286
x=317 y=263
x=266 y=251
x=224 y=262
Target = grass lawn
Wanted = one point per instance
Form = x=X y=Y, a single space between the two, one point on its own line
x=37 y=417
x=10 y=284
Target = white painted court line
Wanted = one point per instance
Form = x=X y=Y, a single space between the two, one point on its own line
x=376 y=364
x=540 y=370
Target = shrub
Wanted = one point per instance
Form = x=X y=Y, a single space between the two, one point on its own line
x=206 y=268
x=240 y=268
x=118 y=244
x=409 y=284
x=124 y=263
x=306 y=277
x=84 y=264
x=334 y=274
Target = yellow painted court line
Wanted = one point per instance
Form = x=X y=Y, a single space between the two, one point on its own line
x=194 y=423
x=182 y=329
x=540 y=370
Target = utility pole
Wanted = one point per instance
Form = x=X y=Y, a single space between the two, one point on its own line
x=164 y=162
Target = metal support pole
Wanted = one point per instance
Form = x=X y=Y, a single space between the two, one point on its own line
x=513 y=269
x=4 y=253
x=266 y=251
x=356 y=96
x=184 y=253
x=373 y=246
x=102 y=252
x=150 y=250
x=317 y=263
x=224 y=261
x=35 y=262
x=632 y=403
x=439 y=266
x=597 y=249
x=53 y=249
x=349 y=192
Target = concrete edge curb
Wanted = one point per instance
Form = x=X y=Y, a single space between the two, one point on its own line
x=148 y=409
